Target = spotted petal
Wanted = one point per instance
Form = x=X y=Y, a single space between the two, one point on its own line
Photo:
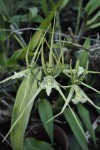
x=48 y=83
x=79 y=97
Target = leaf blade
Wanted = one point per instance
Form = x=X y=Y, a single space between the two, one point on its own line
x=75 y=128
x=32 y=143
x=84 y=114
x=45 y=111
x=91 y=6
x=24 y=93
x=84 y=55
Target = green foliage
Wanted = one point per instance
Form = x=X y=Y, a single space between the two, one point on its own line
x=45 y=116
x=92 y=6
x=10 y=9
x=32 y=143
x=45 y=7
x=2 y=62
x=62 y=4
x=95 y=20
x=84 y=114
x=34 y=40
x=90 y=9
x=95 y=25
x=26 y=91
x=84 y=55
x=76 y=127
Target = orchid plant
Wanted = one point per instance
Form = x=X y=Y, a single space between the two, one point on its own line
x=50 y=71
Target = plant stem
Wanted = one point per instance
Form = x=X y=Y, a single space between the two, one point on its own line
x=81 y=32
x=78 y=17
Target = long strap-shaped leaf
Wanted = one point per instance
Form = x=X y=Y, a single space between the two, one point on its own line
x=84 y=114
x=45 y=111
x=76 y=127
x=17 y=132
x=30 y=102
x=21 y=115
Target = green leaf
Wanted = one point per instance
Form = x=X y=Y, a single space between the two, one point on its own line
x=25 y=92
x=45 y=7
x=25 y=18
x=45 y=111
x=91 y=6
x=33 y=13
x=94 y=19
x=38 y=19
x=16 y=19
x=5 y=8
x=84 y=55
x=21 y=4
x=34 y=144
x=74 y=145
x=84 y=114
x=17 y=54
x=3 y=35
x=76 y=127
x=62 y=4
x=2 y=60
x=95 y=25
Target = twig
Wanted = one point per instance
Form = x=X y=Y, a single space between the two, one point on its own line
x=7 y=94
x=57 y=33
x=5 y=139
x=5 y=103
